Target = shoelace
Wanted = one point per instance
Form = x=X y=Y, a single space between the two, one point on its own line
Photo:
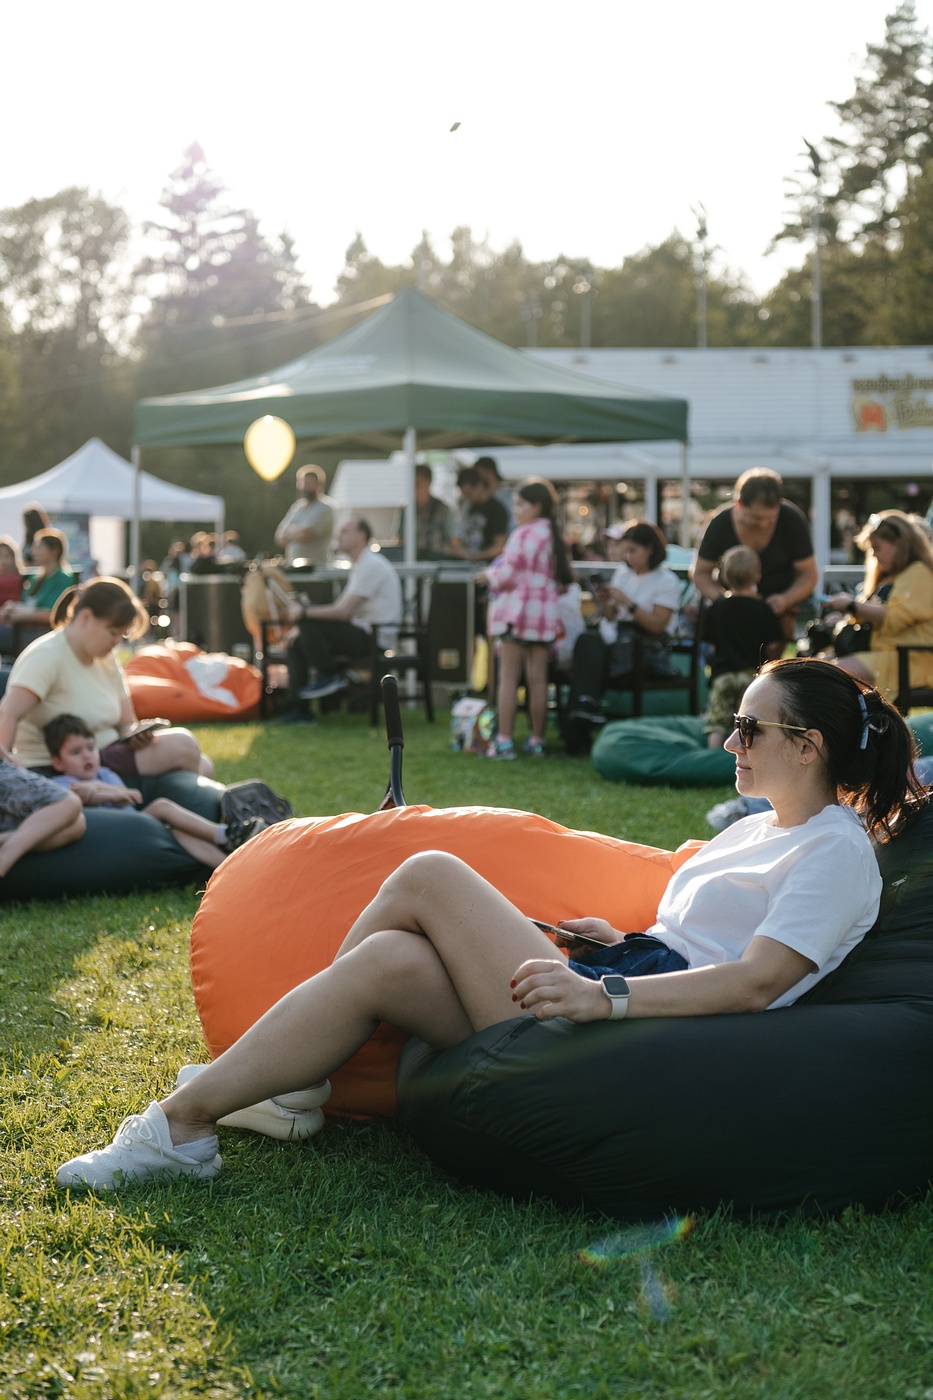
x=143 y=1131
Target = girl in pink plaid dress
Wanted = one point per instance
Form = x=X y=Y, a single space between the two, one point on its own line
x=524 y=583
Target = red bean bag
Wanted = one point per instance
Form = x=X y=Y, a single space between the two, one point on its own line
x=178 y=681
x=278 y=909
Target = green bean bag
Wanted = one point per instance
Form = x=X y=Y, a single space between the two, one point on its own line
x=820 y=1106
x=670 y=750
x=120 y=851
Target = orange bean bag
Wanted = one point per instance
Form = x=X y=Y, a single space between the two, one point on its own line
x=164 y=682
x=278 y=909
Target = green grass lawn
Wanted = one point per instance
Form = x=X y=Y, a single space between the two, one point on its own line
x=350 y=1266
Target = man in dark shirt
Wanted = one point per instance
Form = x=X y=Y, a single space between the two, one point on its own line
x=434 y=518
x=778 y=533
x=481 y=531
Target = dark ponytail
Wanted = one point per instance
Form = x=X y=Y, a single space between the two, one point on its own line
x=539 y=492
x=869 y=750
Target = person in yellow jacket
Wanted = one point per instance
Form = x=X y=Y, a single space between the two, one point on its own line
x=896 y=598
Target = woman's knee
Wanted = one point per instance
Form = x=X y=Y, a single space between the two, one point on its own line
x=175 y=748
x=426 y=872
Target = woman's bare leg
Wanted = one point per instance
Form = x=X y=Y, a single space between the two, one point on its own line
x=171 y=749
x=536 y=664
x=318 y=1026
x=439 y=966
x=45 y=829
x=510 y=674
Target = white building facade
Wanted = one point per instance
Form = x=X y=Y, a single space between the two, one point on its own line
x=831 y=416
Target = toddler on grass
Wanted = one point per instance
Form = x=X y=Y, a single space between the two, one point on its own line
x=76 y=758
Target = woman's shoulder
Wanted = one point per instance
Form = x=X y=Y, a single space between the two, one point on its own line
x=917 y=573
x=532 y=530
x=665 y=581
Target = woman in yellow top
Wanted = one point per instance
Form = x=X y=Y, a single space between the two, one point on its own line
x=896 y=597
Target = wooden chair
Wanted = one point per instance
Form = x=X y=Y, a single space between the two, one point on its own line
x=910 y=697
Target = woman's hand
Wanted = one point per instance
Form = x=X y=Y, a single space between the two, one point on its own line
x=600 y=929
x=481 y=578
x=839 y=602
x=550 y=989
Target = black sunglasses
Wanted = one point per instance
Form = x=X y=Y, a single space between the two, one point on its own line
x=748 y=726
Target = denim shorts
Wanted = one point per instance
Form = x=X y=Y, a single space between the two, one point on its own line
x=638 y=955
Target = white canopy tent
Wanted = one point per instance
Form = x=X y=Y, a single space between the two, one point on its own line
x=97 y=482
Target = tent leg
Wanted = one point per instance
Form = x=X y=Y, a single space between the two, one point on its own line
x=411 y=583
x=685 y=530
x=134 y=533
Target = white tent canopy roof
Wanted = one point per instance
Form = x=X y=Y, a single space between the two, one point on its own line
x=95 y=480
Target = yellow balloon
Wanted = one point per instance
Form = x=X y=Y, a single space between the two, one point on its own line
x=269 y=445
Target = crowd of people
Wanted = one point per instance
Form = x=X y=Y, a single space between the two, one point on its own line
x=754 y=570
x=69 y=738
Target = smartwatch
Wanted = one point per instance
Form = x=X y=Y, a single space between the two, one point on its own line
x=617 y=990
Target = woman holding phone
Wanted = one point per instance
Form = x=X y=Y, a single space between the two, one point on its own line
x=74 y=669
x=642 y=595
x=748 y=923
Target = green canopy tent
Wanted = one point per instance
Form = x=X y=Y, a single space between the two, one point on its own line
x=412 y=375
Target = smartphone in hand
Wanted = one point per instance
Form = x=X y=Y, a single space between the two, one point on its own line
x=144 y=726
x=566 y=938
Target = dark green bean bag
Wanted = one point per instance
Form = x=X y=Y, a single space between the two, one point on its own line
x=670 y=750
x=825 y=1104
x=120 y=851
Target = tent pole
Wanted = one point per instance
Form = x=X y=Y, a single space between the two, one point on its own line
x=685 y=531
x=411 y=536
x=134 y=532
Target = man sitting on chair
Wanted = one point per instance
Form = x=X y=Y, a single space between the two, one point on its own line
x=326 y=631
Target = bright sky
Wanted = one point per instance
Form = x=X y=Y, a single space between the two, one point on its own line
x=588 y=129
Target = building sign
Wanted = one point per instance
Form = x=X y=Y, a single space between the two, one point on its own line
x=883 y=403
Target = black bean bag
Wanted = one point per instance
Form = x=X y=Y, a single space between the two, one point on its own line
x=822 y=1105
x=120 y=851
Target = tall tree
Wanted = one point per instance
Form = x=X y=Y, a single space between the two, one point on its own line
x=64 y=295
x=906 y=311
x=211 y=278
x=886 y=138
x=652 y=300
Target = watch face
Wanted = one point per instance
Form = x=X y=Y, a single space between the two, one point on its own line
x=615 y=985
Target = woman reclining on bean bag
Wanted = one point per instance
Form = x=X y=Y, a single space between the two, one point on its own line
x=745 y=925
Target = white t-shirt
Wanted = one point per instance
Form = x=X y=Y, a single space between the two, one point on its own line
x=65 y=686
x=373 y=579
x=658 y=585
x=814 y=887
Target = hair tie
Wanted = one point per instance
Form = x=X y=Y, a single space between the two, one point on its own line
x=880 y=725
x=864 y=709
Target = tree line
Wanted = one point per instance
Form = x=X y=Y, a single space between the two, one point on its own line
x=95 y=314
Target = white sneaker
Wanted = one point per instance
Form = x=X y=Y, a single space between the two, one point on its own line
x=142 y=1149
x=288 y=1117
